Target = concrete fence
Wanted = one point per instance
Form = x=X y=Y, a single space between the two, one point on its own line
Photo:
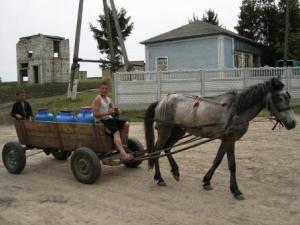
x=136 y=90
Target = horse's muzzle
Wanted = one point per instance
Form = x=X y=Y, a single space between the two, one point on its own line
x=290 y=125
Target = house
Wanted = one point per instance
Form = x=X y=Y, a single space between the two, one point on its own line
x=43 y=58
x=200 y=45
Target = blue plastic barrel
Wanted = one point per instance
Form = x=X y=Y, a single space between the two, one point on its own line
x=85 y=115
x=65 y=116
x=44 y=115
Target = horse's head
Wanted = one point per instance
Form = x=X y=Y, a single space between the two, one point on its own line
x=278 y=104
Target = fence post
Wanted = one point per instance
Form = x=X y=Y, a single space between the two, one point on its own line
x=202 y=80
x=158 y=85
x=115 y=81
x=245 y=81
x=288 y=79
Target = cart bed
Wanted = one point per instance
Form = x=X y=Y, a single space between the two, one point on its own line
x=63 y=136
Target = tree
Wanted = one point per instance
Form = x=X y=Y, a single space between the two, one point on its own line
x=101 y=36
x=294 y=29
x=248 y=23
x=264 y=22
x=211 y=17
x=194 y=19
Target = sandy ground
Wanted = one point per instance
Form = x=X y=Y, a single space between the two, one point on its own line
x=268 y=172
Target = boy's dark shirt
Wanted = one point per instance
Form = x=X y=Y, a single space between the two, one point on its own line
x=18 y=109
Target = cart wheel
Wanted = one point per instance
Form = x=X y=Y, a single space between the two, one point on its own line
x=137 y=149
x=85 y=165
x=13 y=157
x=61 y=154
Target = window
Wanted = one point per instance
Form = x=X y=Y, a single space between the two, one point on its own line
x=56 y=49
x=242 y=60
x=29 y=53
x=24 y=65
x=162 y=64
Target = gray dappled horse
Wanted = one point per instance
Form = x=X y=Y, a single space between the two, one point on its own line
x=224 y=116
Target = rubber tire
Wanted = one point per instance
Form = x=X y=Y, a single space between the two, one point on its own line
x=136 y=147
x=19 y=157
x=92 y=163
x=61 y=154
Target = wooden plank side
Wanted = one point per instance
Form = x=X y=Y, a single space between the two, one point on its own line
x=71 y=141
x=66 y=136
x=20 y=132
x=36 y=133
x=40 y=126
x=73 y=128
x=73 y=146
x=104 y=141
x=45 y=142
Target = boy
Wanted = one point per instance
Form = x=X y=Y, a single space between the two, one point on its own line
x=21 y=109
x=104 y=111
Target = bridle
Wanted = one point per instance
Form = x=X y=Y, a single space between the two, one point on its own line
x=271 y=108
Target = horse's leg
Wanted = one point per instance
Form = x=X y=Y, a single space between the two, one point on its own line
x=163 y=134
x=177 y=134
x=232 y=168
x=216 y=163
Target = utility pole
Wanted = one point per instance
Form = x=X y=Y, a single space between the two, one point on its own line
x=120 y=36
x=109 y=35
x=286 y=33
x=75 y=65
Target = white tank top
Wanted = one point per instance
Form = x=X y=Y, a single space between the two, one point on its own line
x=105 y=105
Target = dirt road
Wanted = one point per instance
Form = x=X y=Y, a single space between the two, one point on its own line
x=268 y=172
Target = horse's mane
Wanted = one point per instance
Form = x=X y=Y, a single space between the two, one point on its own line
x=253 y=95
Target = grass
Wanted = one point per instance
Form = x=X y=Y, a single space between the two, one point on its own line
x=57 y=103
x=265 y=113
x=8 y=90
x=84 y=99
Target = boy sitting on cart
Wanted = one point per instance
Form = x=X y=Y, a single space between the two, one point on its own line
x=21 y=109
x=104 y=111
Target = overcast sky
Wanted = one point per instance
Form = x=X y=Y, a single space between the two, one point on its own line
x=19 y=18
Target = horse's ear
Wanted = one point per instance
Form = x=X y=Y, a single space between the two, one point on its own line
x=276 y=84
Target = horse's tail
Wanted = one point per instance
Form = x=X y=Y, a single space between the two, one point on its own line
x=149 y=131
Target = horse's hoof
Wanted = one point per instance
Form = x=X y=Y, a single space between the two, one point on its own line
x=177 y=178
x=207 y=187
x=239 y=196
x=161 y=183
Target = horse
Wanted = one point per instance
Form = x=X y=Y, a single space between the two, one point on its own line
x=225 y=117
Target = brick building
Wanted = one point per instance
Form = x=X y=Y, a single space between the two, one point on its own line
x=43 y=58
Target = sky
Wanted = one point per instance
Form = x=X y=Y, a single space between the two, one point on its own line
x=20 y=18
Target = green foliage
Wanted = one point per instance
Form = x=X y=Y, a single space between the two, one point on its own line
x=211 y=17
x=258 y=20
x=264 y=22
x=101 y=36
x=193 y=19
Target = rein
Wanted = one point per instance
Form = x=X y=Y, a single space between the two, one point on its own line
x=198 y=98
x=277 y=120
x=156 y=154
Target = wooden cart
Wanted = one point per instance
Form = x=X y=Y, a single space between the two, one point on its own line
x=88 y=143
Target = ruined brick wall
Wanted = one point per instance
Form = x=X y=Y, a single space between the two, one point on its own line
x=37 y=58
